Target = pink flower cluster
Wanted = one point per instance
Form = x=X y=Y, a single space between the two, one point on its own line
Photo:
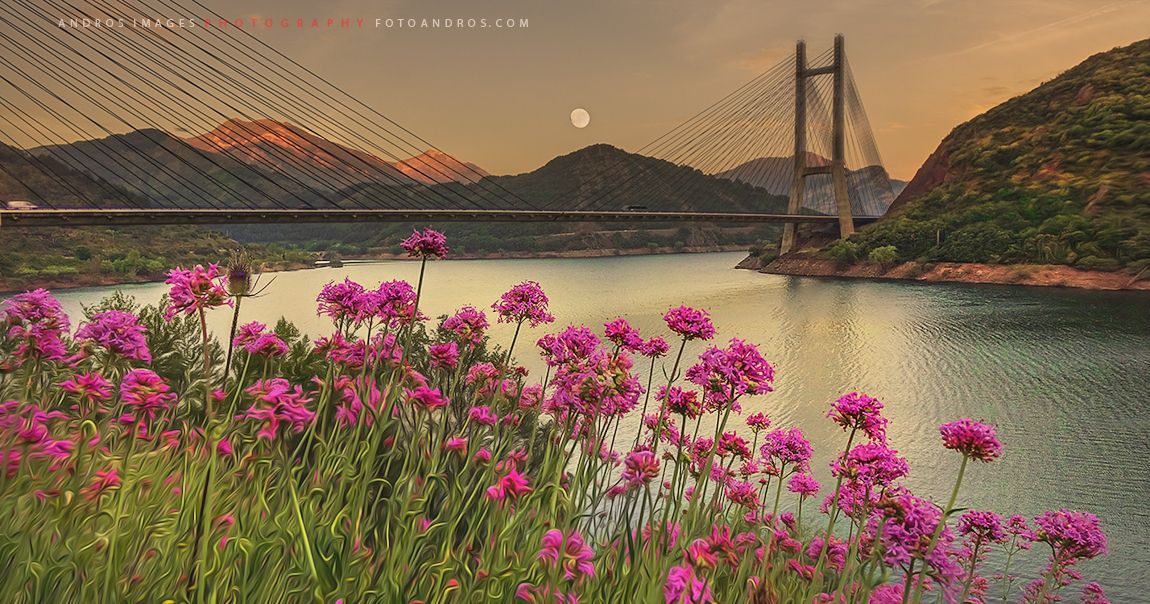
x=196 y=289
x=278 y=403
x=428 y=243
x=255 y=339
x=690 y=323
x=569 y=552
x=468 y=324
x=35 y=321
x=118 y=332
x=524 y=302
x=975 y=440
x=857 y=411
x=146 y=393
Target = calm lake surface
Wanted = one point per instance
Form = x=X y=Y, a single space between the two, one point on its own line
x=1064 y=374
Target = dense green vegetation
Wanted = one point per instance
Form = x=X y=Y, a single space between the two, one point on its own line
x=1060 y=175
x=89 y=256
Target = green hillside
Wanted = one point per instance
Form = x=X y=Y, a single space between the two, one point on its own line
x=1060 y=175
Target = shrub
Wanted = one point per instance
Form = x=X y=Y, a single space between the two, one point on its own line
x=886 y=256
x=1095 y=263
x=844 y=252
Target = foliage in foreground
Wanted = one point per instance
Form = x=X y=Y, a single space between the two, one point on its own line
x=400 y=460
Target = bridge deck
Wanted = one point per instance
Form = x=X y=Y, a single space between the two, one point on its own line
x=45 y=218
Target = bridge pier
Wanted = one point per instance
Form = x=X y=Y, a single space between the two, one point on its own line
x=837 y=168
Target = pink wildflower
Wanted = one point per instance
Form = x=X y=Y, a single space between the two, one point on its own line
x=428 y=398
x=690 y=323
x=1092 y=593
x=278 y=402
x=654 y=348
x=468 y=324
x=983 y=526
x=195 y=289
x=247 y=333
x=267 y=345
x=725 y=374
x=393 y=303
x=510 y=486
x=683 y=586
x=444 y=356
x=973 y=439
x=568 y=551
x=804 y=484
x=118 y=332
x=147 y=392
x=456 y=443
x=483 y=415
x=428 y=243
x=758 y=422
x=641 y=467
x=524 y=302
x=36 y=321
x=782 y=448
x=680 y=401
x=89 y=387
x=857 y=411
x=343 y=301
x=620 y=332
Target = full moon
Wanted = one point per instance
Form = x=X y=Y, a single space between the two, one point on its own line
x=580 y=118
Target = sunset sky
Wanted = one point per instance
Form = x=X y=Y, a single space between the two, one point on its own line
x=501 y=98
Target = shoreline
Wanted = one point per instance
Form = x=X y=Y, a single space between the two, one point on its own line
x=107 y=280
x=1032 y=275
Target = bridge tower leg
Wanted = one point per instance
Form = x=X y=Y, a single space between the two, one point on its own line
x=800 y=150
x=838 y=142
x=837 y=169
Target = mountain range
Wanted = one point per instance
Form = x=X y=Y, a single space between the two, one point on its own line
x=267 y=163
x=240 y=163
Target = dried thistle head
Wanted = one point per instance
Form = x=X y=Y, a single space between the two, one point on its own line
x=241 y=274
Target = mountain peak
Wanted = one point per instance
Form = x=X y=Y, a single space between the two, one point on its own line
x=436 y=167
x=319 y=162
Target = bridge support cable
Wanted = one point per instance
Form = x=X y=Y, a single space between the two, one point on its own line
x=184 y=111
x=671 y=146
x=718 y=150
x=295 y=76
x=152 y=53
x=791 y=142
x=734 y=122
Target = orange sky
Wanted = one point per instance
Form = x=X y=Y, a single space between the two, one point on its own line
x=501 y=98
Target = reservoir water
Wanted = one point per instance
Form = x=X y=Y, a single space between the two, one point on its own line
x=1064 y=374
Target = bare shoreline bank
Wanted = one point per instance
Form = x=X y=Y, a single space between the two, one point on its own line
x=1035 y=275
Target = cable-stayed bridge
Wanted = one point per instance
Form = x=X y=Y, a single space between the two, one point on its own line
x=87 y=116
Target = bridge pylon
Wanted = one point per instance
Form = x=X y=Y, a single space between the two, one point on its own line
x=837 y=168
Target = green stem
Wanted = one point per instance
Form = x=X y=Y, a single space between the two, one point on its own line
x=113 y=535
x=918 y=590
